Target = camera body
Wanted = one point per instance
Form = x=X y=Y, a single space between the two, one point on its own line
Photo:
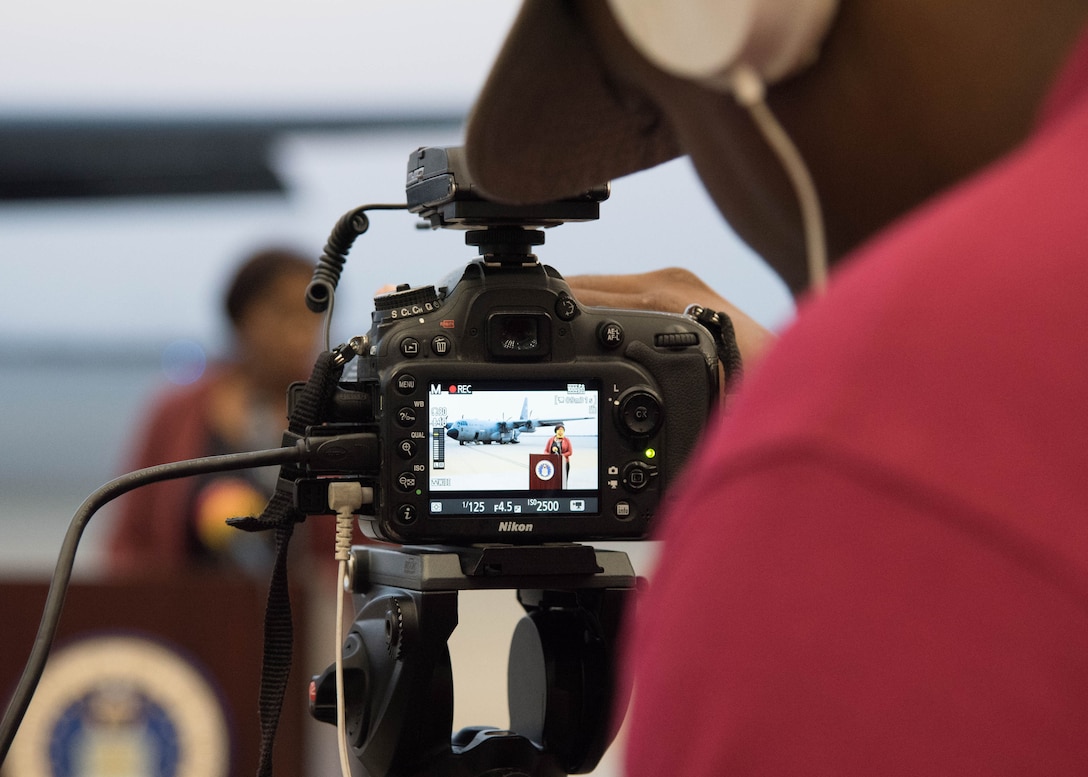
x=468 y=383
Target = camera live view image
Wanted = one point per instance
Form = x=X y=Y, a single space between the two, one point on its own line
x=528 y=450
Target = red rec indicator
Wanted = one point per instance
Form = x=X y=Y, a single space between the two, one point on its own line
x=447 y=323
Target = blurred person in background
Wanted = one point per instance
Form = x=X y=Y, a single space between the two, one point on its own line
x=238 y=404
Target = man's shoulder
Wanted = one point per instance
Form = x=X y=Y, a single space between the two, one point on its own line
x=952 y=342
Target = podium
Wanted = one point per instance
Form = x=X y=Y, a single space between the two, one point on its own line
x=546 y=472
x=162 y=670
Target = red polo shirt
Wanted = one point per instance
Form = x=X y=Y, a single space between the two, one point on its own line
x=878 y=564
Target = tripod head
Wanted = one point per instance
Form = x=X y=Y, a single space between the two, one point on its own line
x=398 y=676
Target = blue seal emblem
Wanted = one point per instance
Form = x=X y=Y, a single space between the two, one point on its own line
x=123 y=706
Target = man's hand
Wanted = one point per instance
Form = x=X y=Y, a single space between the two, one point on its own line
x=670 y=291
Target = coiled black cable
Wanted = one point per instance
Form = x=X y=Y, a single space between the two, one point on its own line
x=355 y=222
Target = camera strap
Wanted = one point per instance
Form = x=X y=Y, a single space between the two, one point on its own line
x=720 y=327
x=280 y=515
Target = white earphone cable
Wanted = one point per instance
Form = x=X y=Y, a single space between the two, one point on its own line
x=749 y=91
x=345 y=498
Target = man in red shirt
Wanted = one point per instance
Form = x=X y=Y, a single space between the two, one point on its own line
x=877 y=563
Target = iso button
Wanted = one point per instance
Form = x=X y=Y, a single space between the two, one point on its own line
x=405 y=482
x=640 y=412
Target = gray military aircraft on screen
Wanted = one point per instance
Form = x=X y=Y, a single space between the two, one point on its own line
x=487 y=431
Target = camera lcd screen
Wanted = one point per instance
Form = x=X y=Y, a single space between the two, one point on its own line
x=502 y=448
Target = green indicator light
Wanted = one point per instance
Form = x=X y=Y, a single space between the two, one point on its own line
x=650 y=453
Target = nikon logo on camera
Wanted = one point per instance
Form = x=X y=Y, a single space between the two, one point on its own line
x=514 y=526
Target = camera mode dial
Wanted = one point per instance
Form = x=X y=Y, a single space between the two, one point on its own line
x=406 y=302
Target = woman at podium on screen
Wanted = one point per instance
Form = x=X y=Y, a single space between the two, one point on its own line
x=559 y=444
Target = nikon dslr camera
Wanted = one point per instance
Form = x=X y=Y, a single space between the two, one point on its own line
x=508 y=412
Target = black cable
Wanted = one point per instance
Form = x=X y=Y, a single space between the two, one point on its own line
x=58 y=587
x=327 y=274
